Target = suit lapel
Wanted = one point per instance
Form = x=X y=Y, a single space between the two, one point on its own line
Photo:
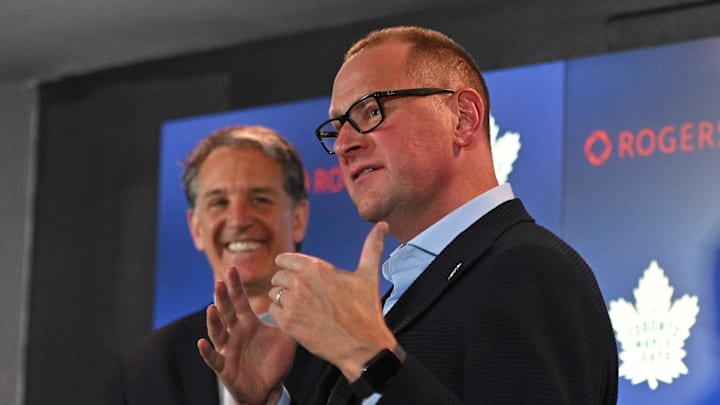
x=451 y=263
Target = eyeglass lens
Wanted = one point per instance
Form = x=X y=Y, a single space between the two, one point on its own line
x=365 y=115
x=328 y=135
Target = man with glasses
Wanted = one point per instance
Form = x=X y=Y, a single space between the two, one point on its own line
x=486 y=306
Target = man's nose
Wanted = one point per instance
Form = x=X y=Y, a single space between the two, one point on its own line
x=240 y=214
x=349 y=139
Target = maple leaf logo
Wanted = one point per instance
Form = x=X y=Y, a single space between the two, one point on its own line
x=504 y=150
x=652 y=333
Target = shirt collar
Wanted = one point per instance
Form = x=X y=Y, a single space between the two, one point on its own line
x=435 y=238
x=408 y=261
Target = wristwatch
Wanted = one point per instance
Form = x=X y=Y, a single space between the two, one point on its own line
x=378 y=371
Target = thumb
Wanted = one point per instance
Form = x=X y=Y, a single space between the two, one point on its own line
x=372 y=250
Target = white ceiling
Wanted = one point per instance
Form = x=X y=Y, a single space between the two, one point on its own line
x=46 y=39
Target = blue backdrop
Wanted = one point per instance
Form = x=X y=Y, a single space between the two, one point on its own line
x=641 y=185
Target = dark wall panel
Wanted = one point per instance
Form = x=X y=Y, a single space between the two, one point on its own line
x=92 y=277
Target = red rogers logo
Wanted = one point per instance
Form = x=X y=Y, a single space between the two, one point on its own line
x=324 y=180
x=688 y=137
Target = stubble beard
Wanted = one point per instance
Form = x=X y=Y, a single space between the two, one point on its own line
x=371 y=207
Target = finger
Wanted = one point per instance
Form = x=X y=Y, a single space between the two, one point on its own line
x=281 y=278
x=372 y=250
x=212 y=358
x=216 y=330
x=224 y=305
x=292 y=261
x=273 y=294
x=238 y=298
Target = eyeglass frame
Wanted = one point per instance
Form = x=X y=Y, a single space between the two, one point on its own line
x=415 y=92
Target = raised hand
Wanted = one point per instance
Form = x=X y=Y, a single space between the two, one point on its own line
x=249 y=357
x=333 y=313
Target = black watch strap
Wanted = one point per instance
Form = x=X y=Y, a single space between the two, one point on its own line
x=377 y=372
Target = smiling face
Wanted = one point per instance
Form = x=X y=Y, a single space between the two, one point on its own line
x=243 y=216
x=397 y=172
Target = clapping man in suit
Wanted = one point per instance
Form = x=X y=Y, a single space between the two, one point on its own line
x=247 y=204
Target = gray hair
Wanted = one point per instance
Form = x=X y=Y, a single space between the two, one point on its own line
x=272 y=144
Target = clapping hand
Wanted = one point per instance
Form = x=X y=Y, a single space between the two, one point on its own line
x=249 y=357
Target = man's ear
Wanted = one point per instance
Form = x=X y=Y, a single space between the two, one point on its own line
x=194 y=229
x=300 y=217
x=471 y=110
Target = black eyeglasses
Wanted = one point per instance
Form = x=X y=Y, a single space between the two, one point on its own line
x=366 y=114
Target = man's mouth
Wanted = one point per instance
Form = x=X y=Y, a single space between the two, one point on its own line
x=362 y=172
x=242 y=246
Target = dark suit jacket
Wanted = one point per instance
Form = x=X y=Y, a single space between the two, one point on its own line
x=521 y=321
x=164 y=367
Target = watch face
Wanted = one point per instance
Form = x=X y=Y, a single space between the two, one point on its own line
x=380 y=369
x=376 y=373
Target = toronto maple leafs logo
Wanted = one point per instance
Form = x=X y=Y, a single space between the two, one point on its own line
x=652 y=332
x=504 y=150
